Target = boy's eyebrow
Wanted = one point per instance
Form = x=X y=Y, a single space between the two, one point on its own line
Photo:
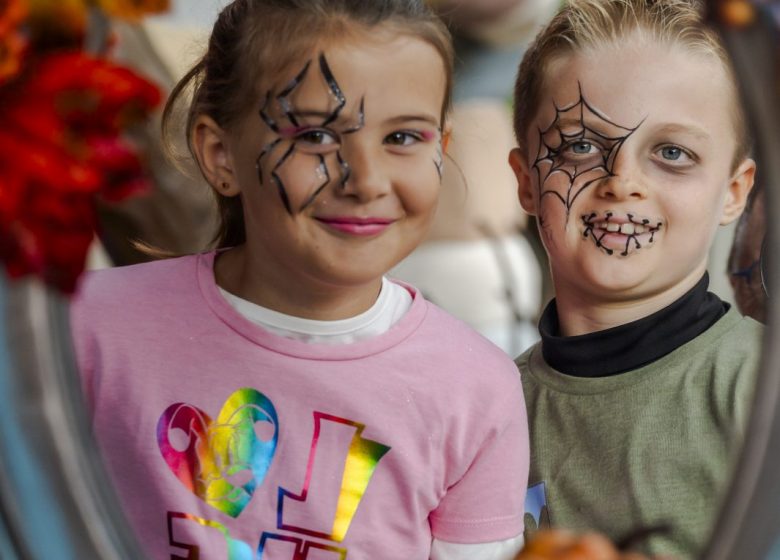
x=691 y=129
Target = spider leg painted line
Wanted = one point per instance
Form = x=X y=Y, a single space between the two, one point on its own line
x=346 y=171
x=323 y=167
x=439 y=161
x=334 y=88
x=589 y=183
x=267 y=119
x=278 y=180
x=589 y=231
x=258 y=164
x=283 y=97
x=361 y=118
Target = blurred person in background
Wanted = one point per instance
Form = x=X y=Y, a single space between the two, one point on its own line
x=478 y=261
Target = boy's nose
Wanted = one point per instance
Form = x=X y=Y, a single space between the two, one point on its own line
x=619 y=187
x=366 y=177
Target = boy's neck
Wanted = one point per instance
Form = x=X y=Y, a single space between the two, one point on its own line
x=236 y=272
x=580 y=314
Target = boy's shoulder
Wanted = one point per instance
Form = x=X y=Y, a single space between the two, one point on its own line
x=729 y=348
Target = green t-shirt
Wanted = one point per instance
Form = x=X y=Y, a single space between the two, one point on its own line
x=652 y=446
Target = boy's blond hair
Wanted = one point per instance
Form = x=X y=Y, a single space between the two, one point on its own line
x=583 y=24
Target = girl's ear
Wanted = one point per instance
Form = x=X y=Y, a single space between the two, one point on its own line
x=739 y=189
x=209 y=143
x=525 y=191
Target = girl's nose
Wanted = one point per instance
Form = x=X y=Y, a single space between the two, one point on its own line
x=366 y=178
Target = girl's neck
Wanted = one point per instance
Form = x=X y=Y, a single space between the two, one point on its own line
x=295 y=295
x=580 y=314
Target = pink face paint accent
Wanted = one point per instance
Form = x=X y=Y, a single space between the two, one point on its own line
x=292 y=131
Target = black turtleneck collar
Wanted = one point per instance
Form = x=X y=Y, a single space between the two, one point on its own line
x=633 y=345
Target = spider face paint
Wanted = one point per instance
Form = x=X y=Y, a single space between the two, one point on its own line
x=307 y=136
x=578 y=149
x=634 y=230
x=630 y=172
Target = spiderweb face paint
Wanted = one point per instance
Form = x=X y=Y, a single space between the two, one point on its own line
x=577 y=150
x=564 y=174
x=306 y=143
x=635 y=229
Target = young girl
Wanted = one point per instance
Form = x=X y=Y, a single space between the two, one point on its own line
x=278 y=398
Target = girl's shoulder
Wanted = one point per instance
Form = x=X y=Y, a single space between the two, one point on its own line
x=134 y=284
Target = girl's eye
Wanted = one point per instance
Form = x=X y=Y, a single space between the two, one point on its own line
x=317 y=137
x=402 y=138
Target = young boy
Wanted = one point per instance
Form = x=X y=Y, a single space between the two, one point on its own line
x=632 y=151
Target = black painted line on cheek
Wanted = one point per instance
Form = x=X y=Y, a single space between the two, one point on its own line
x=346 y=171
x=258 y=163
x=324 y=168
x=278 y=180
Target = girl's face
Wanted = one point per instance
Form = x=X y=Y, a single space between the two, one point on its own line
x=629 y=170
x=339 y=165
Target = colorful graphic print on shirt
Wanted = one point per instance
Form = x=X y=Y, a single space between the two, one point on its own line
x=224 y=461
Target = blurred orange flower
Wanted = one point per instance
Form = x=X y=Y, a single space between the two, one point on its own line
x=57 y=23
x=133 y=9
x=12 y=42
x=60 y=147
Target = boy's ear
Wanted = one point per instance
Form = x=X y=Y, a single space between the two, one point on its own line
x=739 y=189
x=525 y=191
x=209 y=142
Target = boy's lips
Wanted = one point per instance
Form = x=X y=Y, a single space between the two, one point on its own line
x=354 y=225
x=626 y=233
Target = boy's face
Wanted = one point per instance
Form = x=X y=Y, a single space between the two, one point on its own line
x=629 y=171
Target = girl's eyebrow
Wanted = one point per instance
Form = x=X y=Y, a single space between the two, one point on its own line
x=430 y=119
x=422 y=117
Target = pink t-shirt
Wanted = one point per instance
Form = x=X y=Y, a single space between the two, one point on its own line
x=225 y=438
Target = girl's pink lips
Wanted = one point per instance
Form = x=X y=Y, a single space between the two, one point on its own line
x=354 y=225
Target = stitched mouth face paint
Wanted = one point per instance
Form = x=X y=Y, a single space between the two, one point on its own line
x=578 y=149
x=628 y=230
x=311 y=143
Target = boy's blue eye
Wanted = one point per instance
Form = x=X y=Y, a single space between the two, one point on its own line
x=582 y=147
x=671 y=153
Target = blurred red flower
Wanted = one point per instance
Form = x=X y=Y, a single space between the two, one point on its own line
x=60 y=148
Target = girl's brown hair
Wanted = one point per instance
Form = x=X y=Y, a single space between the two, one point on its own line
x=253 y=41
x=583 y=24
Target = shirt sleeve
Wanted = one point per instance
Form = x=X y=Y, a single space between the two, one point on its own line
x=487 y=503
x=498 y=550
